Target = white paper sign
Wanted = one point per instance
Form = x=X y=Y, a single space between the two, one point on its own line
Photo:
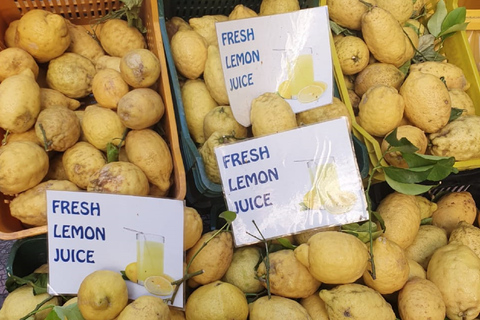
x=292 y=181
x=286 y=53
x=91 y=231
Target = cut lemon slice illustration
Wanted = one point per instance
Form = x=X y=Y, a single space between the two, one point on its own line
x=310 y=93
x=320 y=84
x=284 y=90
x=338 y=202
x=158 y=285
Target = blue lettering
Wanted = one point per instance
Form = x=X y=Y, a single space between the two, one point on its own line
x=237 y=36
x=72 y=255
x=253 y=203
x=246 y=156
x=55 y=205
x=241 y=59
x=241 y=81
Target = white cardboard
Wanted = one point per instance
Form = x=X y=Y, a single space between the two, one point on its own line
x=281 y=163
x=258 y=50
x=114 y=247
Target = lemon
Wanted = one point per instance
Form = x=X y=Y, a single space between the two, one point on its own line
x=158 y=285
x=43 y=34
x=401 y=215
x=310 y=93
x=271 y=114
x=356 y=301
x=334 y=110
x=213 y=76
x=455 y=270
x=269 y=7
x=334 y=257
x=416 y=270
x=429 y=238
x=189 y=52
x=102 y=295
x=467 y=234
x=288 y=277
x=380 y=110
x=131 y=272
x=285 y=90
x=391 y=267
x=241 y=12
x=205 y=26
x=452 y=208
x=146 y=307
x=420 y=299
x=193 y=227
x=216 y=301
x=22 y=300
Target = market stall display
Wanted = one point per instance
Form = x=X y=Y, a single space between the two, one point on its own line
x=415 y=257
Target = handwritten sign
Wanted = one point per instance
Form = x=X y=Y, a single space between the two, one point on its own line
x=292 y=181
x=92 y=231
x=293 y=58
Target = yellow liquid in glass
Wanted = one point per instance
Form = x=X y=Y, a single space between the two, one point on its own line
x=301 y=74
x=149 y=259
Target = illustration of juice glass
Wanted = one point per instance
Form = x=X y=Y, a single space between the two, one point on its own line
x=301 y=72
x=150 y=255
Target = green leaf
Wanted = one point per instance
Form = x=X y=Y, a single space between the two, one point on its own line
x=405 y=67
x=379 y=218
x=434 y=24
x=451 y=31
x=337 y=29
x=38 y=281
x=406 y=175
x=455 y=113
x=442 y=166
x=70 y=312
x=415 y=160
x=442 y=169
x=112 y=152
x=286 y=243
x=229 y=216
x=407 y=188
x=455 y=17
x=426 y=221
x=402 y=145
x=350 y=226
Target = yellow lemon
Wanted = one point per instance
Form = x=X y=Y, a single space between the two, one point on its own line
x=285 y=90
x=131 y=272
x=310 y=93
x=158 y=285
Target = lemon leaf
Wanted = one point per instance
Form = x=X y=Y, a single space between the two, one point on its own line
x=455 y=113
x=286 y=243
x=229 y=216
x=70 y=312
x=407 y=175
x=402 y=145
x=434 y=24
x=408 y=188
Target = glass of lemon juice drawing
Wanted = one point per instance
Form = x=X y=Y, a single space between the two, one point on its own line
x=301 y=84
x=150 y=255
x=301 y=72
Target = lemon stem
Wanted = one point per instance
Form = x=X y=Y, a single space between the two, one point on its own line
x=369 y=5
x=267 y=258
x=196 y=273
x=39 y=308
x=46 y=143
